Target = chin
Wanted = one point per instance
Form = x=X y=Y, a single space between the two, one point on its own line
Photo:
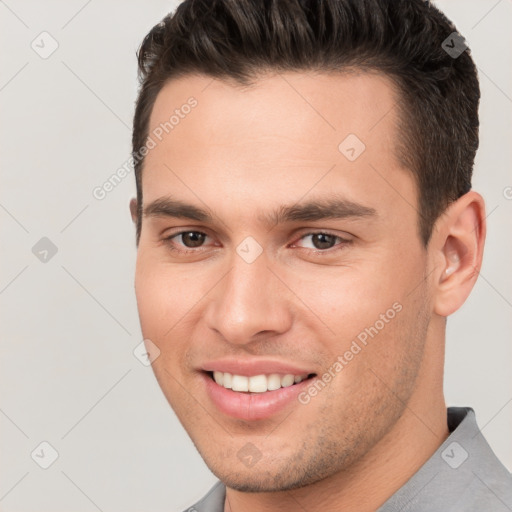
x=263 y=483
x=268 y=476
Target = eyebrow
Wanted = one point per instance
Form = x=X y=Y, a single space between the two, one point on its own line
x=330 y=207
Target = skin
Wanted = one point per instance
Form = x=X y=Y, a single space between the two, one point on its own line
x=362 y=437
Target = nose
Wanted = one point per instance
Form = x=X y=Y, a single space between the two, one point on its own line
x=249 y=302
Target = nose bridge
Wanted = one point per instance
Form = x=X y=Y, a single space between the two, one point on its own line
x=247 y=300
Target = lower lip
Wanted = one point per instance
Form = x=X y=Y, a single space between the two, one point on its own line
x=252 y=406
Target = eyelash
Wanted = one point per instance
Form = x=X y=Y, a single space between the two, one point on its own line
x=337 y=247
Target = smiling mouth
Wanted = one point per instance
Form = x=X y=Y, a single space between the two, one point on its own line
x=257 y=383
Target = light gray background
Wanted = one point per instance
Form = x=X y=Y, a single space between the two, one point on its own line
x=68 y=375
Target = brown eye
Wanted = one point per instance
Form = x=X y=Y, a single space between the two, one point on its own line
x=189 y=240
x=322 y=241
x=192 y=238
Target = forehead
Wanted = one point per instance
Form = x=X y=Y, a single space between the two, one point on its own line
x=287 y=135
x=313 y=109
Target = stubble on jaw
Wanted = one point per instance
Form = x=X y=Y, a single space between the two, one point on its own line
x=339 y=438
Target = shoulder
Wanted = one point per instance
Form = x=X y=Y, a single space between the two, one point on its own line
x=212 y=501
x=464 y=474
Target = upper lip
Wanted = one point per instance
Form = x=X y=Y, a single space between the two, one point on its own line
x=253 y=367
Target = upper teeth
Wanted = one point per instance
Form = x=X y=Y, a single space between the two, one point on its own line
x=256 y=383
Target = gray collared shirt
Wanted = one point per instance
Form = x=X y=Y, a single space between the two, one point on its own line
x=464 y=474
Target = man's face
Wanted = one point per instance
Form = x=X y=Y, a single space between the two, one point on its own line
x=237 y=294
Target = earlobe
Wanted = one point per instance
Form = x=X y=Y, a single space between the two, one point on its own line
x=133 y=210
x=460 y=244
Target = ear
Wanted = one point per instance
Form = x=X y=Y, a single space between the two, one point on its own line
x=458 y=244
x=133 y=210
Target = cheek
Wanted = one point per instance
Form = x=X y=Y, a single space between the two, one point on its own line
x=348 y=299
x=162 y=312
x=169 y=301
x=371 y=310
x=151 y=302
x=165 y=297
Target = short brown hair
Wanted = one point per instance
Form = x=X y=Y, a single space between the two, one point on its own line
x=240 y=39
